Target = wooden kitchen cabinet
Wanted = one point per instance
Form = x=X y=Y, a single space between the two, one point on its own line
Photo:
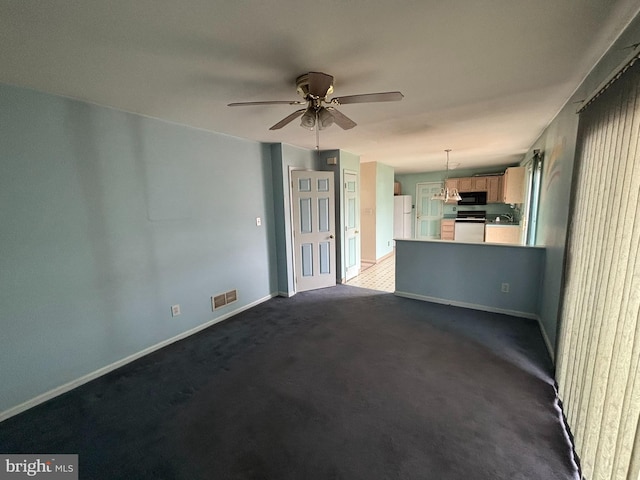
x=447 y=229
x=480 y=184
x=465 y=184
x=513 y=185
x=510 y=234
x=494 y=185
x=494 y=189
x=471 y=184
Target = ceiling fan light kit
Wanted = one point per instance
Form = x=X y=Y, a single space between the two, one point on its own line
x=320 y=113
x=308 y=119
x=325 y=118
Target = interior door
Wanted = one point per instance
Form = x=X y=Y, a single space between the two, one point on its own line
x=351 y=226
x=428 y=212
x=313 y=229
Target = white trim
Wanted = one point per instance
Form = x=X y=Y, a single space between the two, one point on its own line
x=416 y=220
x=388 y=255
x=473 y=306
x=120 y=363
x=371 y=263
x=546 y=340
x=342 y=222
x=485 y=308
x=285 y=294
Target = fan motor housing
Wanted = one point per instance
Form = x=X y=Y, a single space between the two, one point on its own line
x=302 y=86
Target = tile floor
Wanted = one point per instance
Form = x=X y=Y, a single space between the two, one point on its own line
x=381 y=276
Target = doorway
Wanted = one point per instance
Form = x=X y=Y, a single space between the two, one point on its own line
x=312 y=199
x=351 y=225
x=428 y=212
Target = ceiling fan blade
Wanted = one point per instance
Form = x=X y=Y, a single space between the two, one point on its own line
x=319 y=84
x=288 y=119
x=272 y=102
x=341 y=119
x=369 y=97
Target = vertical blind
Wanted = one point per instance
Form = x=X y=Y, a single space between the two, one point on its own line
x=599 y=341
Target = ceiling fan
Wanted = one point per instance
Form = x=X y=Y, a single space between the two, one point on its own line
x=314 y=87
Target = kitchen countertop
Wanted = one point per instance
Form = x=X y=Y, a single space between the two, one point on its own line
x=455 y=244
x=501 y=224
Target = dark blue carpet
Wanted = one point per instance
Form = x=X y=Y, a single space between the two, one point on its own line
x=340 y=383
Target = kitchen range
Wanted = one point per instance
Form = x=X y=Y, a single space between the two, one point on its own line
x=469 y=226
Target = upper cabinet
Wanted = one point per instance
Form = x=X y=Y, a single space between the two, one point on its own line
x=465 y=184
x=507 y=188
x=480 y=184
x=451 y=184
x=492 y=184
x=471 y=184
x=513 y=187
x=494 y=189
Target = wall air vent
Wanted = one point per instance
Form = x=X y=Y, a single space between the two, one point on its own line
x=223 y=299
x=218 y=301
x=231 y=296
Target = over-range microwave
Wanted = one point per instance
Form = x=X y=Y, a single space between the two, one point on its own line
x=473 y=198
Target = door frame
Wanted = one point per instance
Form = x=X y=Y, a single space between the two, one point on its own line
x=419 y=207
x=356 y=228
x=292 y=228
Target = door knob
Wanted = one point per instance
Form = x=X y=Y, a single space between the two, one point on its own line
x=356 y=231
x=330 y=236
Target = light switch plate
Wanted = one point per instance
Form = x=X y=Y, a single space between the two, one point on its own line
x=175 y=310
x=258 y=221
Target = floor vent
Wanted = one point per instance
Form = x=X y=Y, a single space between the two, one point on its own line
x=224 y=299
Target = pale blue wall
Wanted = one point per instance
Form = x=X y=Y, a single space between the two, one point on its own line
x=471 y=274
x=558 y=144
x=109 y=218
x=384 y=210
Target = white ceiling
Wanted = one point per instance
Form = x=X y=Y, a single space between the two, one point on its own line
x=482 y=77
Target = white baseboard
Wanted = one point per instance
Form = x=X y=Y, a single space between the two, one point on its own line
x=285 y=294
x=377 y=260
x=473 y=306
x=384 y=257
x=546 y=340
x=120 y=363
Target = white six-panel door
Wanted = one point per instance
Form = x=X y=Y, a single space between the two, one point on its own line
x=351 y=226
x=312 y=197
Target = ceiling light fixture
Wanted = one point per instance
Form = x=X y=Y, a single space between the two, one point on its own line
x=445 y=195
x=325 y=118
x=308 y=119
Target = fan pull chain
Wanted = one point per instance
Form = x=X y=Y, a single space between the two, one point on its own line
x=317 y=134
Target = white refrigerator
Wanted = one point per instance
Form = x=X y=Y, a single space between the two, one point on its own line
x=402 y=216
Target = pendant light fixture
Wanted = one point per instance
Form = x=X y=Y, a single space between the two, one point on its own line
x=445 y=195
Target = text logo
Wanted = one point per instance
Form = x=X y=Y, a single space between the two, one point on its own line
x=41 y=466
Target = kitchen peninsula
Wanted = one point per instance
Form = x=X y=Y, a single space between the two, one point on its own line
x=483 y=276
